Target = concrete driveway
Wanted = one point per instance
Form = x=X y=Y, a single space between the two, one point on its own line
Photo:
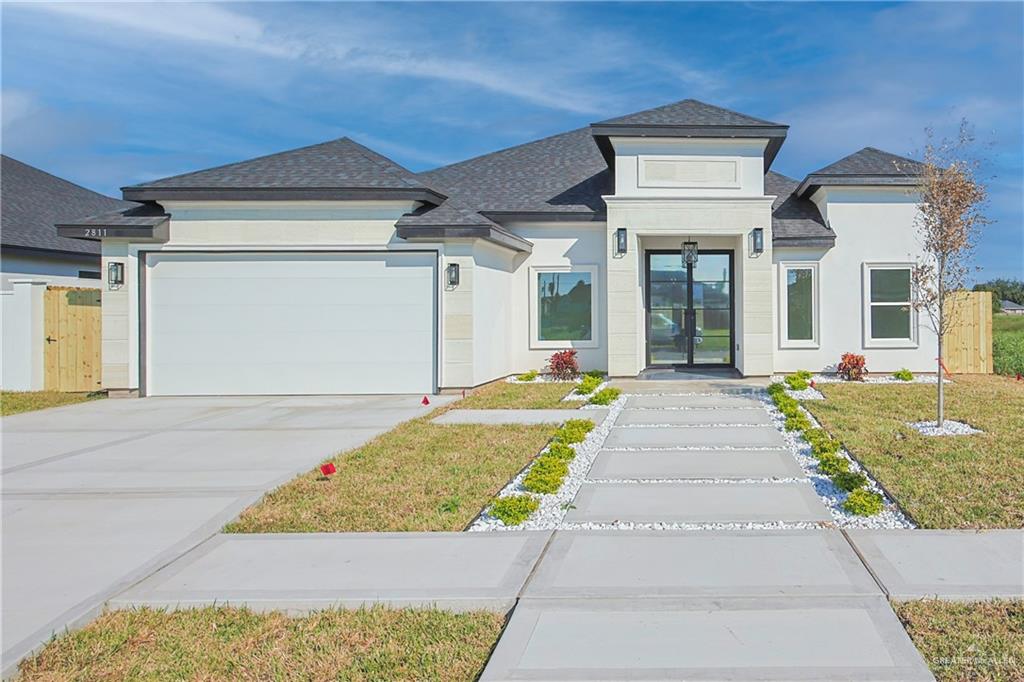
x=97 y=496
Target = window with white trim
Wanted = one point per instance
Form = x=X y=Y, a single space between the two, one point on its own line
x=798 y=309
x=888 y=313
x=563 y=306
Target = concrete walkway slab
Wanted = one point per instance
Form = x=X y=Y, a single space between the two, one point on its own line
x=658 y=564
x=793 y=638
x=683 y=464
x=949 y=564
x=692 y=401
x=694 y=436
x=519 y=416
x=303 y=571
x=696 y=503
x=630 y=417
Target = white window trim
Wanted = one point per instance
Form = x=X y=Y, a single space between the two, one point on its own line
x=535 y=341
x=869 y=341
x=784 y=340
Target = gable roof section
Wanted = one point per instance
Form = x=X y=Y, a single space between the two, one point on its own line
x=34 y=201
x=796 y=221
x=337 y=170
x=453 y=220
x=869 y=166
x=690 y=118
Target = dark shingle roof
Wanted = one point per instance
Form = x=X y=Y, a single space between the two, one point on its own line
x=1010 y=305
x=337 y=169
x=795 y=221
x=138 y=215
x=33 y=201
x=688 y=112
x=869 y=166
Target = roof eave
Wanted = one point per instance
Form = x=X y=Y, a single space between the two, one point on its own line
x=803 y=242
x=812 y=182
x=489 y=233
x=155 y=231
x=141 y=193
x=544 y=216
x=775 y=134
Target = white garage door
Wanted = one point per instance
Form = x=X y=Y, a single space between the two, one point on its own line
x=290 y=323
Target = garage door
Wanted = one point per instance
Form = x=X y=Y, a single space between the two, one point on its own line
x=290 y=323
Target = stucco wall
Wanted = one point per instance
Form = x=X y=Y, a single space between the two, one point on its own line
x=872 y=225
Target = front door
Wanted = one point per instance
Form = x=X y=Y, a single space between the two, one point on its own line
x=689 y=309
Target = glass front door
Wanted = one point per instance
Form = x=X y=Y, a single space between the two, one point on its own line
x=689 y=309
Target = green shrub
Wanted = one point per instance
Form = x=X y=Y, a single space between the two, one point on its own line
x=588 y=385
x=797 y=422
x=546 y=474
x=573 y=431
x=596 y=373
x=831 y=464
x=814 y=435
x=514 y=509
x=1008 y=352
x=776 y=388
x=561 y=451
x=903 y=374
x=787 y=406
x=796 y=382
x=825 y=446
x=804 y=374
x=863 y=503
x=527 y=376
x=849 y=480
x=606 y=396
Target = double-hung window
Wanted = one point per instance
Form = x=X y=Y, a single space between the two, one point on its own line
x=563 y=306
x=798 y=308
x=889 y=319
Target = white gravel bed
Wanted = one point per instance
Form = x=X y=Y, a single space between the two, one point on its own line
x=541 y=379
x=949 y=428
x=806 y=394
x=697 y=481
x=553 y=507
x=702 y=448
x=690 y=426
x=575 y=396
x=630 y=525
x=830 y=494
x=869 y=379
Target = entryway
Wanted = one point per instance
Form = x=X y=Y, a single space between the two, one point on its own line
x=689 y=309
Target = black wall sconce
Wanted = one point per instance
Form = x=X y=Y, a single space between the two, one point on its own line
x=757 y=247
x=115 y=274
x=452 y=274
x=689 y=253
x=620 y=241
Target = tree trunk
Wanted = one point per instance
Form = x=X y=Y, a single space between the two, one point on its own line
x=938 y=373
x=941 y=328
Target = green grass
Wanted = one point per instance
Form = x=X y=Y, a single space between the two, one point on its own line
x=1008 y=323
x=16 y=402
x=968 y=641
x=221 y=643
x=504 y=395
x=1008 y=344
x=949 y=482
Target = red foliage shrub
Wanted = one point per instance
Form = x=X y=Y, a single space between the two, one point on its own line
x=851 y=367
x=563 y=365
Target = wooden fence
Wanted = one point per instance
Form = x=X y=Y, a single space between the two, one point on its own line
x=967 y=344
x=71 y=360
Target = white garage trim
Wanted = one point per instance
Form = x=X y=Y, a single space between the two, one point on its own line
x=418 y=259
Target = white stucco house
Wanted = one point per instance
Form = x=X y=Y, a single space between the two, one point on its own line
x=332 y=269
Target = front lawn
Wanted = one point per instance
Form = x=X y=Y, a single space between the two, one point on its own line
x=968 y=641
x=15 y=402
x=221 y=643
x=946 y=482
x=419 y=476
x=1008 y=344
x=535 y=396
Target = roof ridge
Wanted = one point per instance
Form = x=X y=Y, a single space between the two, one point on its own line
x=385 y=163
x=688 y=100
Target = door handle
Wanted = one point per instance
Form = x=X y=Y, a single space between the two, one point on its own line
x=50 y=340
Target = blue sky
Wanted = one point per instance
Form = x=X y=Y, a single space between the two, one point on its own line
x=109 y=95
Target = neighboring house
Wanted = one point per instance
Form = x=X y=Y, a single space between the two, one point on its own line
x=32 y=202
x=1011 y=308
x=332 y=269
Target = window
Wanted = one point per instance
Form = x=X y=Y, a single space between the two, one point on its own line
x=88 y=274
x=889 y=317
x=562 y=304
x=798 y=311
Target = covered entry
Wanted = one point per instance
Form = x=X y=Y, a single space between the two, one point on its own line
x=689 y=309
x=279 y=323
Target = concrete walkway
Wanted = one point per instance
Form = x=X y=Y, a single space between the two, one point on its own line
x=98 y=495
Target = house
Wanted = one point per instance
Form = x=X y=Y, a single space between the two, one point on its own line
x=32 y=202
x=1011 y=308
x=657 y=239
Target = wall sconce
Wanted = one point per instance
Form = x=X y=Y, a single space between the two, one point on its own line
x=452 y=275
x=620 y=241
x=689 y=253
x=758 y=241
x=115 y=274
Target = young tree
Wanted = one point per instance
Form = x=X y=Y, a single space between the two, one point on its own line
x=950 y=216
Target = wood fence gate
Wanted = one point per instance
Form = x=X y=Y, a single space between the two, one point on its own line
x=71 y=359
x=967 y=344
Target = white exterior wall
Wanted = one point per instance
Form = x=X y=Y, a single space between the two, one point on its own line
x=56 y=270
x=493 y=276
x=872 y=225
x=22 y=328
